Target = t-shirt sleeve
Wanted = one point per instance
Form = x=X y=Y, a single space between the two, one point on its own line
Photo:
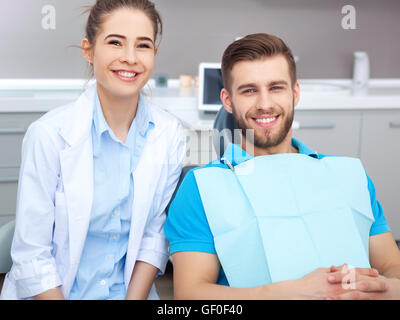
x=380 y=225
x=186 y=226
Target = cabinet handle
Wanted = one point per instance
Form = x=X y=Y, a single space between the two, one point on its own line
x=8 y=179
x=393 y=124
x=12 y=130
x=323 y=125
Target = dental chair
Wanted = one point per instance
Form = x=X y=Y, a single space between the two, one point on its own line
x=185 y=170
x=6 y=235
x=224 y=131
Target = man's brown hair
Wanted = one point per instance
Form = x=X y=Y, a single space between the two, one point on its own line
x=254 y=47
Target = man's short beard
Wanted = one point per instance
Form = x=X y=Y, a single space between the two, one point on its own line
x=266 y=141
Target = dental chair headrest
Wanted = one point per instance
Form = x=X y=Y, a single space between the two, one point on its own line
x=223 y=132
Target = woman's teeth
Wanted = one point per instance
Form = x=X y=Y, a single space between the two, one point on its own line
x=265 y=120
x=126 y=74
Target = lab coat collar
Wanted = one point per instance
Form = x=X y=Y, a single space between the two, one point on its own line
x=77 y=172
x=77 y=126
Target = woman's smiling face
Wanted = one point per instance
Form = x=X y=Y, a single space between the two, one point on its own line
x=123 y=53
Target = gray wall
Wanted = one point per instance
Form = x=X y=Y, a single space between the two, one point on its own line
x=199 y=30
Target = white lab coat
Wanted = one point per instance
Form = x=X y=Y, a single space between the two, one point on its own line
x=55 y=194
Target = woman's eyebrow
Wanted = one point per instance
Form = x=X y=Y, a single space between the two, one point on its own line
x=145 y=39
x=115 y=35
x=123 y=37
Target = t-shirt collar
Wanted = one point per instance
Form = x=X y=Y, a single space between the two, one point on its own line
x=236 y=155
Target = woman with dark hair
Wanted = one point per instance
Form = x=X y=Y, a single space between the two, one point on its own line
x=97 y=174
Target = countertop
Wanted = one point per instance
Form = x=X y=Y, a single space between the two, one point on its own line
x=41 y=95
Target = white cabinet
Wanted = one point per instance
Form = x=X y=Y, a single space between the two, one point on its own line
x=380 y=154
x=8 y=193
x=12 y=129
x=329 y=132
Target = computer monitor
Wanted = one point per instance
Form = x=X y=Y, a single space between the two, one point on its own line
x=210 y=86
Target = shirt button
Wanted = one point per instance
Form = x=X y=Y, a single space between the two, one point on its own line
x=115 y=213
x=115 y=237
x=110 y=257
x=103 y=282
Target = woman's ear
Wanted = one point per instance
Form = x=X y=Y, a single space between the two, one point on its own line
x=155 y=51
x=226 y=100
x=87 y=51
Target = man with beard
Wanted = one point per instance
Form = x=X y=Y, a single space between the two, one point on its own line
x=272 y=219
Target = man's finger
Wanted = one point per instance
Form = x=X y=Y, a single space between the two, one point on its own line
x=371 y=285
x=337 y=268
x=351 y=275
x=363 y=284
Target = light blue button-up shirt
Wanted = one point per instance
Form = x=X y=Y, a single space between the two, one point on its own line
x=101 y=270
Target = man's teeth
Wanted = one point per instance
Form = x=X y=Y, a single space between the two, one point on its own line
x=266 y=120
x=126 y=74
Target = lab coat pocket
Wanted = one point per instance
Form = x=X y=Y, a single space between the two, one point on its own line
x=60 y=236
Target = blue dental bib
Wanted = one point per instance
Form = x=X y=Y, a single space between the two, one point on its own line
x=279 y=217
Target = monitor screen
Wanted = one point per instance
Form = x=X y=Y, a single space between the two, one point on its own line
x=210 y=86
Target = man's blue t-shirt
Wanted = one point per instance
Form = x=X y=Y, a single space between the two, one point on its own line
x=187 y=228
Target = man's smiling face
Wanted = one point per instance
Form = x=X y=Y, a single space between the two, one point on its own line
x=262 y=99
